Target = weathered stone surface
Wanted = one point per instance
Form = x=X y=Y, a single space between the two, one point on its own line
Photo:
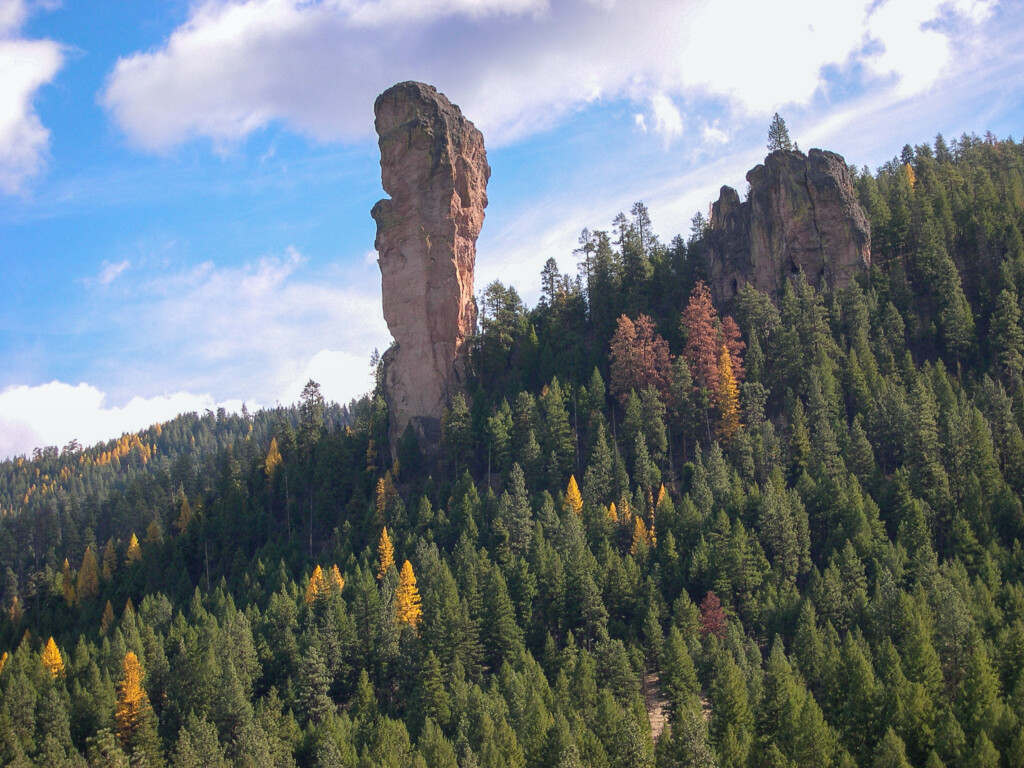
x=801 y=214
x=434 y=167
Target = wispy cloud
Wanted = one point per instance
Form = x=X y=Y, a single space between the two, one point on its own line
x=110 y=272
x=25 y=67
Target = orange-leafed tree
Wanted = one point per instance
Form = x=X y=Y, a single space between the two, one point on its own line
x=407 y=598
x=88 y=584
x=640 y=358
x=317 y=585
x=385 y=552
x=728 y=399
x=573 y=498
x=701 y=350
x=51 y=658
x=134 y=553
x=136 y=723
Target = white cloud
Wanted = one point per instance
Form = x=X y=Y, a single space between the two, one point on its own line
x=25 y=66
x=515 y=66
x=244 y=332
x=56 y=413
x=667 y=120
x=111 y=272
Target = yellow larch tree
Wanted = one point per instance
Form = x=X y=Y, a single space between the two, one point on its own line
x=728 y=398
x=639 y=535
x=134 y=552
x=573 y=499
x=316 y=586
x=107 y=620
x=184 y=516
x=386 y=553
x=335 y=580
x=613 y=513
x=109 y=561
x=407 y=597
x=273 y=458
x=133 y=714
x=88 y=584
x=51 y=658
x=3 y=661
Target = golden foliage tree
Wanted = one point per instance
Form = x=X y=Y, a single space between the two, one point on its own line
x=107 y=621
x=88 y=584
x=136 y=727
x=109 y=561
x=335 y=580
x=3 y=661
x=728 y=398
x=273 y=458
x=134 y=552
x=407 y=597
x=386 y=553
x=573 y=499
x=317 y=586
x=640 y=535
x=52 y=659
x=184 y=516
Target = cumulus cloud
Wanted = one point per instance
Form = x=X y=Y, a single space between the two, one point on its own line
x=57 y=413
x=516 y=66
x=25 y=66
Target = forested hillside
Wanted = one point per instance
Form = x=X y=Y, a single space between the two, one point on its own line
x=802 y=525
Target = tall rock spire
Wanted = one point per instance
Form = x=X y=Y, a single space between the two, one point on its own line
x=434 y=167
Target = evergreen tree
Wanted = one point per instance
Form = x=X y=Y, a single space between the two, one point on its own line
x=778 y=135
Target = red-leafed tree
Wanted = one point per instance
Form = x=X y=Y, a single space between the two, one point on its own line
x=735 y=344
x=701 y=351
x=640 y=358
x=712 y=617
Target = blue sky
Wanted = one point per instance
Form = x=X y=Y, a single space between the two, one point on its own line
x=185 y=186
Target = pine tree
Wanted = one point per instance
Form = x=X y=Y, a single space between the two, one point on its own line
x=407 y=598
x=385 y=553
x=52 y=660
x=67 y=584
x=778 y=135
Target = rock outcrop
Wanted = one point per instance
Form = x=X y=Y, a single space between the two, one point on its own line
x=801 y=214
x=434 y=167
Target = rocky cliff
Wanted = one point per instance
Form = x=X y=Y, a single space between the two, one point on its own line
x=801 y=214
x=434 y=167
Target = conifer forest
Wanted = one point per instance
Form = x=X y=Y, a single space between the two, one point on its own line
x=657 y=532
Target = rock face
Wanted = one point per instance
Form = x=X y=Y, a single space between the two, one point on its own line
x=801 y=214
x=434 y=166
